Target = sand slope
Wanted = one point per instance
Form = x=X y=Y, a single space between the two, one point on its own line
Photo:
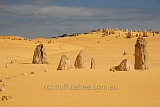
x=135 y=88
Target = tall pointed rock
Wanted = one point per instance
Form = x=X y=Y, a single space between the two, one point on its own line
x=65 y=63
x=141 y=55
x=81 y=60
x=40 y=56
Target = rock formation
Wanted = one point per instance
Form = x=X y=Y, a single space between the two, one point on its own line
x=1 y=89
x=8 y=77
x=129 y=34
x=76 y=34
x=40 y=56
x=157 y=31
x=81 y=60
x=137 y=35
x=24 y=74
x=32 y=72
x=93 y=63
x=105 y=33
x=135 y=30
x=65 y=63
x=124 y=53
x=7 y=98
x=50 y=41
x=153 y=34
x=125 y=65
x=145 y=34
x=141 y=55
x=46 y=70
x=150 y=31
x=7 y=65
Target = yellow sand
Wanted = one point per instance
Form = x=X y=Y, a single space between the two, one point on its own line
x=135 y=88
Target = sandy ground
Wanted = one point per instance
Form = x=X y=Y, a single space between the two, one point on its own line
x=131 y=89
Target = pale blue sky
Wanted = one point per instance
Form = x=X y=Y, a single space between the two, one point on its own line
x=48 y=18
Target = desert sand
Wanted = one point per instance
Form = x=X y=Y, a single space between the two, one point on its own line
x=26 y=82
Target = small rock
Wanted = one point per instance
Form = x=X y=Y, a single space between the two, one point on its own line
x=124 y=53
x=1 y=89
x=24 y=74
x=125 y=65
x=7 y=98
x=112 y=69
x=11 y=61
x=5 y=84
x=50 y=41
x=1 y=80
x=8 y=77
x=93 y=63
x=46 y=70
x=134 y=54
x=6 y=65
x=32 y=72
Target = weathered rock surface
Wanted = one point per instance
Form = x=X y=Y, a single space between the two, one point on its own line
x=65 y=63
x=125 y=65
x=145 y=34
x=7 y=98
x=81 y=60
x=129 y=34
x=93 y=64
x=141 y=55
x=40 y=56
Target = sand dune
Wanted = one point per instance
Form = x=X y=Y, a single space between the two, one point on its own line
x=135 y=88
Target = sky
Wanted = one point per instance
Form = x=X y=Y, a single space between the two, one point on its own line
x=50 y=18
